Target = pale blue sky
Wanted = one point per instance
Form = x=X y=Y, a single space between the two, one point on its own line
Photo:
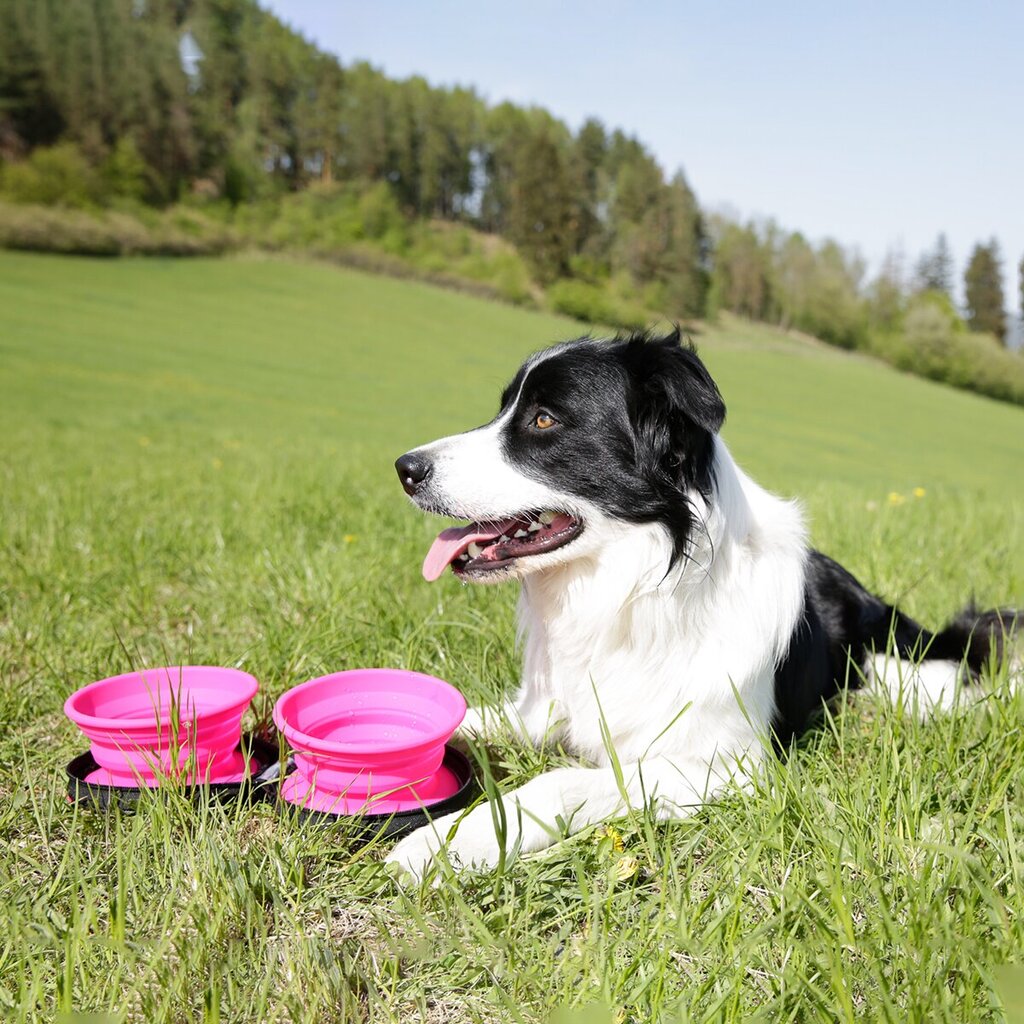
x=879 y=124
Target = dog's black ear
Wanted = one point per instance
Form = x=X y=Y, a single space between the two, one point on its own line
x=691 y=387
x=671 y=381
x=675 y=411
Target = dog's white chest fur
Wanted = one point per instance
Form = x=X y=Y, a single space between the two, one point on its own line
x=682 y=662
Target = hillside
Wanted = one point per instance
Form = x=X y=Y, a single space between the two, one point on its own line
x=162 y=363
x=296 y=347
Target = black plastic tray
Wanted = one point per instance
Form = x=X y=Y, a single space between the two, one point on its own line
x=395 y=824
x=127 y=797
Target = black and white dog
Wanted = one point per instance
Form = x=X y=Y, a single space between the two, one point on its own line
x=671 y=607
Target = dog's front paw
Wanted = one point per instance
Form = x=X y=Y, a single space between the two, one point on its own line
x=414 y=855
x=474 y=846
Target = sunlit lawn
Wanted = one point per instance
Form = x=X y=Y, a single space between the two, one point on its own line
x=195 y=466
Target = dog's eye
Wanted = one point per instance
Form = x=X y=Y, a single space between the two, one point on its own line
x=544 y=420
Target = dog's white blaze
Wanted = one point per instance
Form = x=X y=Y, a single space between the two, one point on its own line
x=470 y=473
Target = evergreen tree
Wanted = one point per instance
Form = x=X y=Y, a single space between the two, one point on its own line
x=836 y=314
x=794 y=265
x=741 y=277
x=682 y=269
x=885 y=294
x=505 y=131
x=591 y=185
x=368 y=112
x=984 y=290
x=319 y=113
x=30 y=112
x=540 y=213
x=638 y=212
x=935 y=268
x=1020 y=271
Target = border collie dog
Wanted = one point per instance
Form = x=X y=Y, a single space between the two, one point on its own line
x=671 y=608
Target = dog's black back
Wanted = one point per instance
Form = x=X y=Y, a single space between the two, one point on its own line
x=844 y=624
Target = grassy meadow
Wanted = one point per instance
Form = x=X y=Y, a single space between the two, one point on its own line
x=196 y=466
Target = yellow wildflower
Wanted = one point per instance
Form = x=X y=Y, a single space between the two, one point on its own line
x=895 y=498
x=626 y=868
x=349 y=537
x=608 y=832
x=144 y=442
x=216 y=463
x=919 y=492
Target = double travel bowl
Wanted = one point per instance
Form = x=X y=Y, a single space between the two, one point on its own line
x=370 y=745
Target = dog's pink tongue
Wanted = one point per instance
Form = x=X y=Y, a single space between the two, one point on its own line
x=452 y=542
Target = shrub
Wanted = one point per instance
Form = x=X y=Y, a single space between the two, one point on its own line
x=444 y=250
x=509 y=274
x=124 y=173
x=934 y=344
x=87 y=233
x=930 y=338
x=594 y=305
x=379 y=217
x=326 y=219
x=52 y=176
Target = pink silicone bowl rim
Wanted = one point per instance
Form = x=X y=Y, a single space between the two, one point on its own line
x=92 y=721
x=305 y=743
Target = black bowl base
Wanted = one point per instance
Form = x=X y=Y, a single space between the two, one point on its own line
x=394 y=825
x=103 y=797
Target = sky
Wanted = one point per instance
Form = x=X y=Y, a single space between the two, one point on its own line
x=877 y=124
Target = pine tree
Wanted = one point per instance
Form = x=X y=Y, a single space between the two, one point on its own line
x=541 y=218
x=590 y=184
x=505 y=131
x=1020 y=271
x=682 y=270
x=984 y=289
x=886 y=293
x=741 y=278
x=319 y=114
x=30 y=112
x=935 y=268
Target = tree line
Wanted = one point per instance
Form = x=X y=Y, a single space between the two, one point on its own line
x=766 y=273
x=169 y=101
x=261 y=110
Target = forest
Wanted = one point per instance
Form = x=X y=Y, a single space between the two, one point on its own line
x=199 y=126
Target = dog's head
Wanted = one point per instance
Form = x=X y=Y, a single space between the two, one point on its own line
x=590 y=434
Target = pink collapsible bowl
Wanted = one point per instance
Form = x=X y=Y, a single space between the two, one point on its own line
x=370 y=739
x=165 y=722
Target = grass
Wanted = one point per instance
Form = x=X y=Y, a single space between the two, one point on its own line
x=196 y=466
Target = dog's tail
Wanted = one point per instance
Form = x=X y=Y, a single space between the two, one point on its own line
x=978 y=639
x=865 y=624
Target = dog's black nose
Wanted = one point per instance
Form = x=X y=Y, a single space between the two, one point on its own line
x=413 y=470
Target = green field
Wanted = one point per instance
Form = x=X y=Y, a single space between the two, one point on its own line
x=196 y=466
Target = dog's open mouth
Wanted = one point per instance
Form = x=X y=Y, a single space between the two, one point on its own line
x=483 y=547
